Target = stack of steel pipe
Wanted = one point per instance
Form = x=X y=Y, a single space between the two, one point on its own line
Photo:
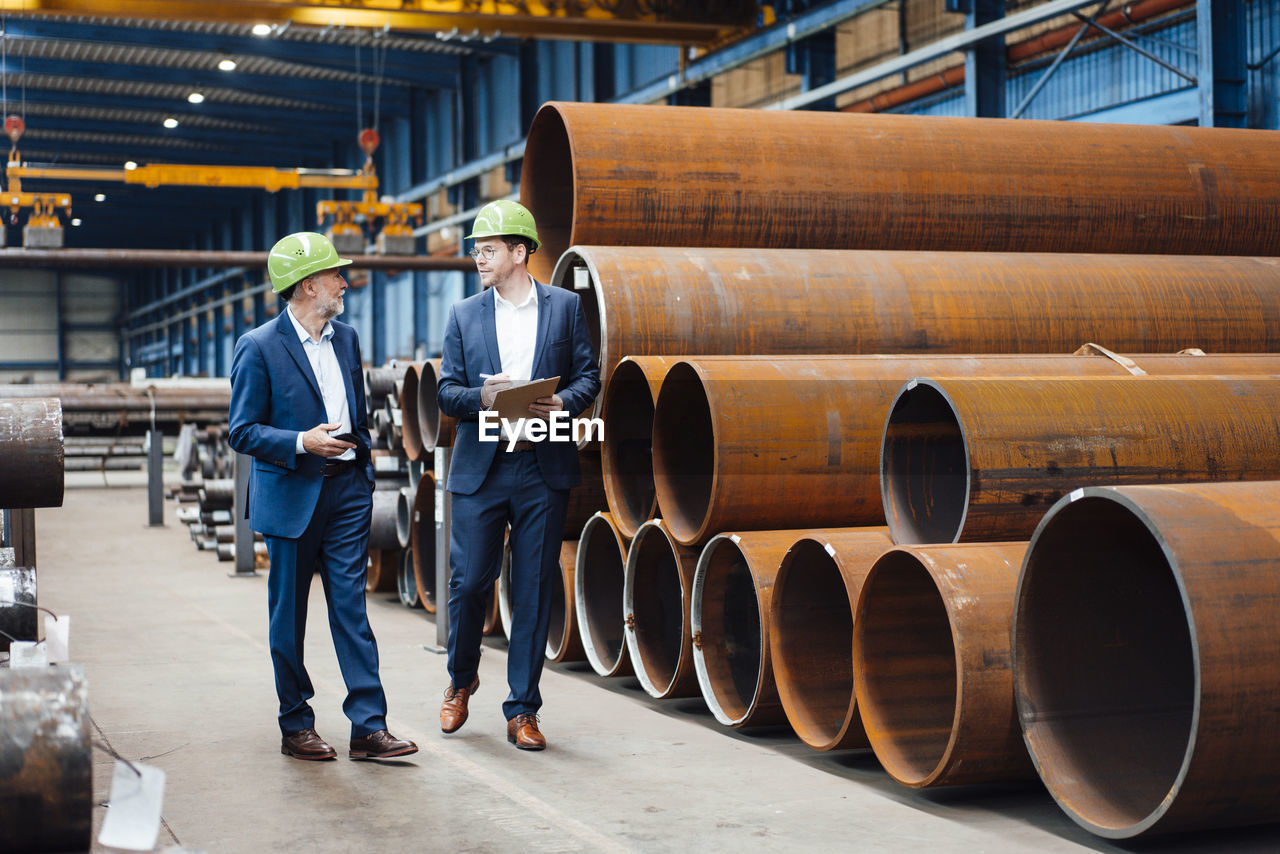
x=435 y=429
x=118 y=409
x=31 y=453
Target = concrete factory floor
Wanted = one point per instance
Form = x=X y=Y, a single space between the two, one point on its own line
x=179 y=677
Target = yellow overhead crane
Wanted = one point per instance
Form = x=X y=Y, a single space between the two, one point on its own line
x=44 y=231
x=681 y=22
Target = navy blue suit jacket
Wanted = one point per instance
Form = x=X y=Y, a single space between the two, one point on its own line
x=275 y=396
x=562 y=348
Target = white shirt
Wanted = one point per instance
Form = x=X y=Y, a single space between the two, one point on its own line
x=517 y=328
x=333 y=388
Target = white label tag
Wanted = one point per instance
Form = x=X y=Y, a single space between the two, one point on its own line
x=735 y=539
x=1076 y=495
x=57 y=638
x=830 y=549
x=27 y=654
x=133 y=815
x=581 y=279
x=386 y=464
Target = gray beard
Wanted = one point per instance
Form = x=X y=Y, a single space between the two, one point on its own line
x=330 y=310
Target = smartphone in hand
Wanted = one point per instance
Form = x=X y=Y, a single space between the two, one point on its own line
x=346 y=437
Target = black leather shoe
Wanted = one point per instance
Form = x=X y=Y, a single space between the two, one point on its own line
x=306 y=744
x=381 y=745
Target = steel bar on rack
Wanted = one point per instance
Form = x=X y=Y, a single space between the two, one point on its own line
x=1146 y=656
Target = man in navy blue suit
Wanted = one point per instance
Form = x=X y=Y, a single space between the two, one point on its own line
x=298 y=409
x=515 y=330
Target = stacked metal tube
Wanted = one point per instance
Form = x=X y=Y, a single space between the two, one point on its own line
x=746 y=418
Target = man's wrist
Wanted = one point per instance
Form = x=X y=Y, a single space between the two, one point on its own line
x=299 y=448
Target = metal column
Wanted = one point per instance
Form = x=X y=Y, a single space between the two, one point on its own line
x=155 y=478
x=444 y=516
x=1223 y=73
x=243 y=533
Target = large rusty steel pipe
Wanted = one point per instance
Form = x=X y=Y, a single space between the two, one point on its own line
x=587 y=498
x=811 y=633
x=729 y=617
x=932 y=664
x=622 y=174
x=656 y=597
x=435 y=428
x=1146 y=656
x=31 y=453
x=599 y=575
x=422 y=541
x=764 y=443
x=410 y=423
x=564 y=642
x=976 y=460
x=646 y=301
x=627 y=454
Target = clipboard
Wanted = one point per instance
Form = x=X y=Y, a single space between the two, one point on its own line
x=512 y=403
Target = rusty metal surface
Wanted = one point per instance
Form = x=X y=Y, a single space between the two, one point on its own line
x=599 y=575
x=422 y=541
x=980 y=459
x=181 y=258
x=17 y=605
x=621 y=174
x=932 y=664
x=729 y=616
x=46 y=773
x=383 y=566
x=31 y=453
x=383 y=528
x=563 y=641
x=627 y=454
x=1147 y=656
x=656 y=597
x=646 y=301
x=811 y=633
x=380 y=382
x=434 y=427
x=410 y=423
x=587 y=498
x=766 y=443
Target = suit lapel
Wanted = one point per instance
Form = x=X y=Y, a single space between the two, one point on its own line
x=294 y=348
x=490 y=329
x=544 y=323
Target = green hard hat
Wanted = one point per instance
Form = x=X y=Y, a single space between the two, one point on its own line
x=505 y=217
x=298 y=255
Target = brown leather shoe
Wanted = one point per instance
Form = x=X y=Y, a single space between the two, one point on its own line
x=453 y=711
x=306 y=744
x=381 y=745
x=523 y=732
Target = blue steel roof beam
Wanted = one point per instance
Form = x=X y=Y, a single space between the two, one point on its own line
x=141 y=150
x=395 y=99
x=276 y=142
x=420 y=67
x=322 y=121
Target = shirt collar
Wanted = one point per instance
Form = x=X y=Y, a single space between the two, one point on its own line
x=533 y=292
x=305 y=336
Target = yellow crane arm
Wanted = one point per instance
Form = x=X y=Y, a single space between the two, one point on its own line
x=177 y=174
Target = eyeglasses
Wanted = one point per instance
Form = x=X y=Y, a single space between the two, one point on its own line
x=487 y=251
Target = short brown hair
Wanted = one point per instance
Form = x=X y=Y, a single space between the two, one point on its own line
x=513 y=241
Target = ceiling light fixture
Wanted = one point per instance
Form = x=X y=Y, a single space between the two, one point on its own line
x=171 y=123
x=130 y=165
x=196 y=97
x=100 y=197
x=75 y=221
x=262 y=29
x=227 y=65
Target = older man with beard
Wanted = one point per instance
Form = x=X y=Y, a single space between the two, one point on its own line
x=298 y=408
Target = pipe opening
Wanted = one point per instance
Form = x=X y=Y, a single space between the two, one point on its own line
x=657 y=603
x=813 y=644
x=559 y=613
x=924 y=468
x=601 y=575
x=732 y=652
x=404 y=516
x=548 y=191
x=410 y=423
x=1104 y=668
x=908 y=659
x=683 y=452
x=423 y=541
x=628 y=455
x=428 y=408
x=572 y=273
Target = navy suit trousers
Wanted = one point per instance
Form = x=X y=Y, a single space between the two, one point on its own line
x=514 y=492
x=335 y=544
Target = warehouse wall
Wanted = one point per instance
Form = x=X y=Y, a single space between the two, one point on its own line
x=30 y=333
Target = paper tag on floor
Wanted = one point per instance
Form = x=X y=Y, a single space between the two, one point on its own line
x=27 y=654
x=133 y=814
x=57 y=638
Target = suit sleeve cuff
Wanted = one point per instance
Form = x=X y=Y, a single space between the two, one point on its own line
x=298 y=449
